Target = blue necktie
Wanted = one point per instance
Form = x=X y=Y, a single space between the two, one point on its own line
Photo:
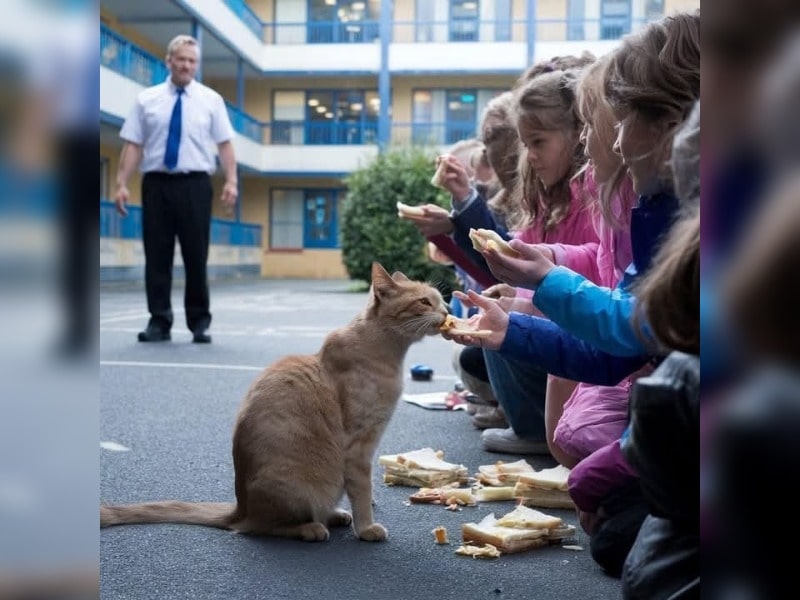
x=174 y=136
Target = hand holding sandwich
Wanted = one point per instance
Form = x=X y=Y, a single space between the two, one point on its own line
x=492 y=318
x=528 y=270
x=434 y=220
x=452 y=176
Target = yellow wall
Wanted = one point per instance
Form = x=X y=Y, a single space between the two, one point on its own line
x=263 y=8
x=305 y=264
x=135 y=182
x=671 y=6
x=131 y=34
x=551 y=9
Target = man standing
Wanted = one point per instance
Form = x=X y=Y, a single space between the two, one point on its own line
x=171 y=132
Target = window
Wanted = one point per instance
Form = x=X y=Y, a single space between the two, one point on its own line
x=341 y=117
x=464 y=20
x=576 y=13
x=654 y=10
x=615 y=19
x=343 y=21
x=447 y=116
x=286 y=220
x=304 y=219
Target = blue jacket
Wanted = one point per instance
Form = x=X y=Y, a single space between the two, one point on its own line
x=554 y=350
x=598 y=315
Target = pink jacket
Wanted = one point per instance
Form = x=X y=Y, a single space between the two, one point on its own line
x=577 y=229
x=596 y=415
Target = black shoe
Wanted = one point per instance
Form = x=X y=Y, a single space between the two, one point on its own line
x=154 y=334
x=201 y=337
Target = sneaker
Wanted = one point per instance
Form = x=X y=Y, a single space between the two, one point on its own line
x=489 y=417
x=508 y=442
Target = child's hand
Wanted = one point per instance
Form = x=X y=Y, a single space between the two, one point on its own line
x=435 y=221
x=456 y=180
x=528 y=271
x=499 y=290
x=491 y=317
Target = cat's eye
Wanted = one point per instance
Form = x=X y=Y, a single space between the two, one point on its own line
x=425 y=301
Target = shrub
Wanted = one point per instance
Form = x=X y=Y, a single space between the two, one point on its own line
x=372 y=231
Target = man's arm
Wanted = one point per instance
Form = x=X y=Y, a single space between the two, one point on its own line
x=129 y=160
x=230 y=190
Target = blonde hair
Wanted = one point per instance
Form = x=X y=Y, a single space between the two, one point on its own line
x=655 y=74
x=557 y=63
x=498 y=132
x=668 y=296
x=548 y=102
x=178 y=42
x=591 y=100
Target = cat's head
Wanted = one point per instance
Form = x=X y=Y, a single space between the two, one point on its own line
x=411 y=308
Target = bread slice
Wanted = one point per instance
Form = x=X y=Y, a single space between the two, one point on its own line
x=503 y=473
x=506 y=539
x=523 y=517
x=455 y=326
x=551 y=479
x=446 y=495
x=486 y=239
x=421 y=468
x=441 y=170
x=493 y=494
x=542 y=498
x=405 y=210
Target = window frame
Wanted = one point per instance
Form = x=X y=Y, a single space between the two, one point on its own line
x=272 y=200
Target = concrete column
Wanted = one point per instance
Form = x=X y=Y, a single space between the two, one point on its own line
x=384 y=79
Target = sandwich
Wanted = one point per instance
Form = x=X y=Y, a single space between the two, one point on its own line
x=447 y=495
x=502 y=473
x=488 y=239
x=522 y=529
x=546 y=488
x=455 y=326
x=493 y=494
x=421 y=468
x=441 y=170
x=405 y=211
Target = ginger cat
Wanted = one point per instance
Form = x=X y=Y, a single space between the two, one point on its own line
x=309 y=426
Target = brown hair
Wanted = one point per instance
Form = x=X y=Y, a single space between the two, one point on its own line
x=557 y=63
x=668 y=297
x=498 y=132
x=590 y=101
x=547 y=102
x=655 y=74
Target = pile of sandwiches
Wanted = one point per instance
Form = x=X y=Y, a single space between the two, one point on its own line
x=425 y=468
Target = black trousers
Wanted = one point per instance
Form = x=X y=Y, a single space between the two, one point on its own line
x=176 y=206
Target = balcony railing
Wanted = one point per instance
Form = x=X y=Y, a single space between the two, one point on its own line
x=248 y=16
x=325 y=133
x=120 y=55
x=471 y=30
x=223 y=232
x=322 y=32
x=432 y=134
x=248 y=126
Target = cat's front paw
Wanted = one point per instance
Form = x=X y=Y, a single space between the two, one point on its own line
x=340 y=518
x=373 y=533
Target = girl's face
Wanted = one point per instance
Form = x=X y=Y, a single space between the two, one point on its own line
x=640 y=144
x=598 y=139
x=550 y=152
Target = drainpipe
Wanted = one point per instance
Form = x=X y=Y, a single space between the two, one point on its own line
x=384 y=81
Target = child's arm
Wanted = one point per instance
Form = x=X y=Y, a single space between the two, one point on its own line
x=598 y=315
x=544 y=343
x=582 y=258
x=478 y=216
x=598 y=474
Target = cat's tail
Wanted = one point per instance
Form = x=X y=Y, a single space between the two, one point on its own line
x=212 y=514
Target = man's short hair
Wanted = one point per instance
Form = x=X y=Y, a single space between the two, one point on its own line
x=178 y=41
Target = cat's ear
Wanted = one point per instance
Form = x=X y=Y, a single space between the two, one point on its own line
x=398 y=277
x=382 y=282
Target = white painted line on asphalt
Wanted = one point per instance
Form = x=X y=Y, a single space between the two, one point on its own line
x=113 y=446
x=166 y=365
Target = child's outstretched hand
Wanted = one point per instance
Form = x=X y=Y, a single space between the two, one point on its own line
x=456 y=179
x=527 y=271
x=492 y=317
x=435 y=221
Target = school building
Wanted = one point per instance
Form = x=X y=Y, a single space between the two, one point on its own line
x=316 y=88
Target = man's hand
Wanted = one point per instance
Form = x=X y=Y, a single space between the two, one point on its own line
x=435 y=221
x=528 y=271
x=491 y=317
x=230 y=191
x=121 y=198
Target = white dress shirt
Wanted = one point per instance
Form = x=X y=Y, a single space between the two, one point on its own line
x=205 y=123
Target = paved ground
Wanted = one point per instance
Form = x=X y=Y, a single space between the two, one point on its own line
x=172 y=406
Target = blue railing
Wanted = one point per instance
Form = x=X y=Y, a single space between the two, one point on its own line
x=245 y=124
x=459 y=30
x=248 y=16
x=323 y=133
x=322 y=32
x=432 y=134
x=223 y=232
x=120 y=55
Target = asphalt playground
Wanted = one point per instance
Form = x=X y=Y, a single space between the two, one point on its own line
x=166 y=418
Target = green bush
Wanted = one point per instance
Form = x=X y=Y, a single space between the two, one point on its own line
x=372 y=231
